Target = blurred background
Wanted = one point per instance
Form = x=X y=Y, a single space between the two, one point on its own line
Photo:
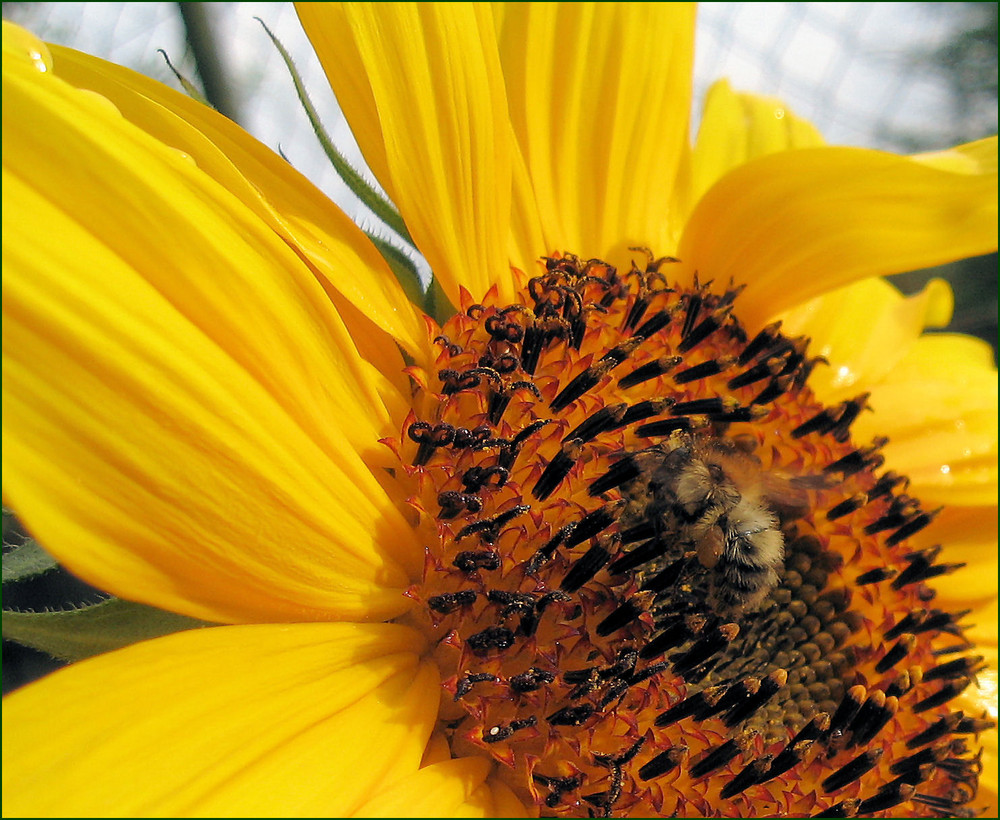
x=903 y=77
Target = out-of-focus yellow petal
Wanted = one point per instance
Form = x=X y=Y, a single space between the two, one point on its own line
x=938 y=407
x=182 y=405
x=344 y=259
x=736 y=128
x=451 y=788
x=434 y=75
x=796 y=224
x=256 y=721
x=599 y=96
x=863 y=330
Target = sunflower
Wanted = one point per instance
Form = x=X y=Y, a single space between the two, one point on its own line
x=616 y=537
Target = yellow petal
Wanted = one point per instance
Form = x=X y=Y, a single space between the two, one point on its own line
x=347 y=263
x=736 y=128
x=599 y=96
x=434 y=76
x=796 y=224
x=183 y=409
x=452 y=788
x=938 y=407
x=257 y=721
x=863 y=330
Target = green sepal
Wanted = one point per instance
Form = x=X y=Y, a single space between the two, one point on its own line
x=189 y=87
x=75 y=634
x=369 y=196
x=26 y=561
x=402 y=267
x=436 y=303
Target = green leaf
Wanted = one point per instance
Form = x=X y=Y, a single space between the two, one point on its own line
x=74 y=634
x=26 y=561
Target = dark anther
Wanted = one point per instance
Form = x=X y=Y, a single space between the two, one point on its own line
x=716 y=758
x=688 y=408
x=872 y=717
x=531 y=680
x=908 y=623
x=641 y=411
x=702 y=331
x=769 y=686
x=636 y=312
x=454 y=503
x=650 y=370
x=664 y=427
x=944 y=621
x=473 y=561
x=778 y=386
x=531 y=349
x=447 y=344
x=450 y=601
x=557 y=786
x=509 y=450
x=465 y=684
x=474 y=438
x=739 y=414
x=851 y=771
x=973 y=726
x=620 y=618
x=873 y=576
x=544 y=553
x=607 y=418
x=900 y=685
x=571 y=715
x=793 y=754
x=489 y=528
x=429 y=438
x=704 y=648
x=886 y=484
x=651 y=549
x=932 y=755
x=641 y=531
x=502 y=731
x=663 y=763
x=581 y=384
x=750 y=775
x=761 y=342
x=760 y=371
x=846 y=507
x=960 y=667
x=692 y=309
x=667 y=576
x=475 y=311
x=849 y=412
x=848 y=708
x=512 y=602
x=493 y=637
x=937 y=730
x=475 y=478
x=922 y=571
x=622 y=471
x=943 y=695
x=845 y=808
x=822 y=422
x=585 y=568
x=591 y=524
x=858 y=460
x=900 y=650
x=736 y=693
x=701 y=371
x=556 y=470
x=654 y=324
x=887 y=797
x=621 y=352
x=673 y=633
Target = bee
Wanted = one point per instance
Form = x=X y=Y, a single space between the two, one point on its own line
x=712 y=497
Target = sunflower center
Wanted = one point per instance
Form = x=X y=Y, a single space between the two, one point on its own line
x=663 y=579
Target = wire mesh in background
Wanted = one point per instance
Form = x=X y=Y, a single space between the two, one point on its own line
x=898 y=76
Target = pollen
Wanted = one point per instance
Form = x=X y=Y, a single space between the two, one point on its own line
x=660 y=576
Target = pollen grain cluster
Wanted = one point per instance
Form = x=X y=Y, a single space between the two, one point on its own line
x=663 y=580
